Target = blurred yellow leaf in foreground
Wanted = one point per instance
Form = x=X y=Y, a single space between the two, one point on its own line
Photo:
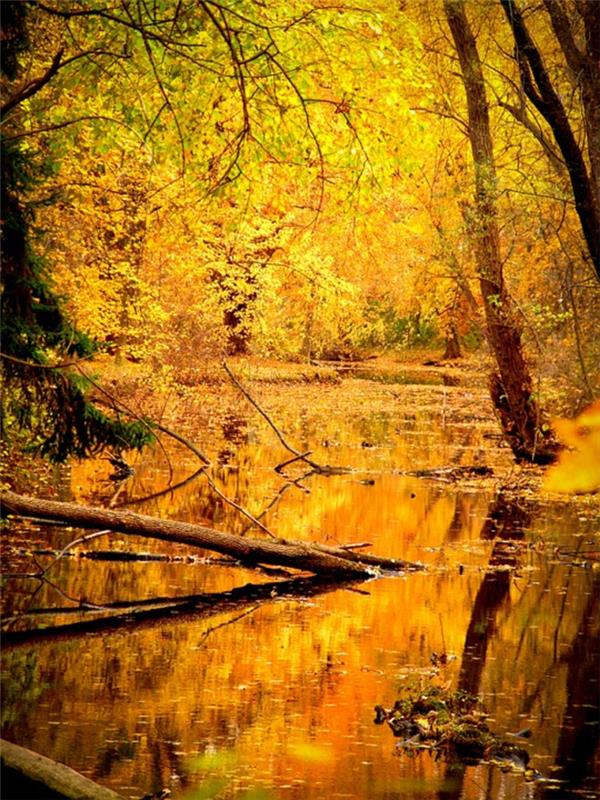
x=577 y=469
x=309 y=751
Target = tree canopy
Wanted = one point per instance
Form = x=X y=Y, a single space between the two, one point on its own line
x=186 y=179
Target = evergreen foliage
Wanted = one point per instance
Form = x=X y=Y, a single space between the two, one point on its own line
x=49 y=403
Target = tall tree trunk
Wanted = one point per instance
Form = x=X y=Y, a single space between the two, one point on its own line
x=452 y=350
x=511 y=385
x=540 y=91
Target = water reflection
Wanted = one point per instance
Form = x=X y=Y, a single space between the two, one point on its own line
x=234 y=429
x=506 y=523
x=577 y=752
x=256 y=687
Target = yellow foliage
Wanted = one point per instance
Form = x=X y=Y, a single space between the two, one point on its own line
x=578 y=469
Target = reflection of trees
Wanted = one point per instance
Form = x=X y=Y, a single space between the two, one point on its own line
x=459 y=520
x=493 y=592
x=194 y=687
x=505 y=523
x=235 y=433
x=535 y=694
x=577 y=753
x=165 y=759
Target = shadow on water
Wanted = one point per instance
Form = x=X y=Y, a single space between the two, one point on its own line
x=577 y=756
x=576 y=769
x=505 y=523
x=159 y=610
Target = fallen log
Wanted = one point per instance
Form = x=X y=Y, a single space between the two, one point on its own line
x=317 y=558
x=29 y=774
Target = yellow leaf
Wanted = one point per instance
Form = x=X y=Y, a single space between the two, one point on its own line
x=578 y=469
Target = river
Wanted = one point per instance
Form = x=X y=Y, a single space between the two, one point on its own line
x=271 y=697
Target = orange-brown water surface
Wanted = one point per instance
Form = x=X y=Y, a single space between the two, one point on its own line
x=271 y=695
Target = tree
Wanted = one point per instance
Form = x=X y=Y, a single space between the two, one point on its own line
x=583 y=62
x=317 y=558
x=244 y=95
x=42 y=396
x=511 y=385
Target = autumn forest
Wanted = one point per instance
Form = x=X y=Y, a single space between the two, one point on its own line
x=300 y=399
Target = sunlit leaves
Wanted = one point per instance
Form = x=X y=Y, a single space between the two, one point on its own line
x=337 y=137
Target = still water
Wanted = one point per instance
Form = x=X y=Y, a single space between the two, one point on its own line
x=271 y=695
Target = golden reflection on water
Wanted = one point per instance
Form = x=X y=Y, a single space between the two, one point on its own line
x=278 y=695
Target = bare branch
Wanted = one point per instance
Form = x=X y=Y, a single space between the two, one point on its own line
x=89 y=118
x=298 y=456
x=239 y=508
x=33 y=86
x=61 y=365
x=88 y=537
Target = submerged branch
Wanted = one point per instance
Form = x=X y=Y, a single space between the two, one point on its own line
x=298 y=456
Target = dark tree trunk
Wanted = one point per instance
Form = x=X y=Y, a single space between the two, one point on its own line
x=238 y=335
x=538 y=87
x=511 y=387
x=452 y=350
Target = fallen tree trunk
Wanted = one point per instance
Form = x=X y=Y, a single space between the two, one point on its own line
x=31 y=775
x=307 y=557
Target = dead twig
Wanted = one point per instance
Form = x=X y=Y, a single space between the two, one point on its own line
x=235 y=505
x=170 y=489
x=214 y=628
x=298 y=456
x=182 y=440
x=88 y=537
x=356 y=546
x=287 y=462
